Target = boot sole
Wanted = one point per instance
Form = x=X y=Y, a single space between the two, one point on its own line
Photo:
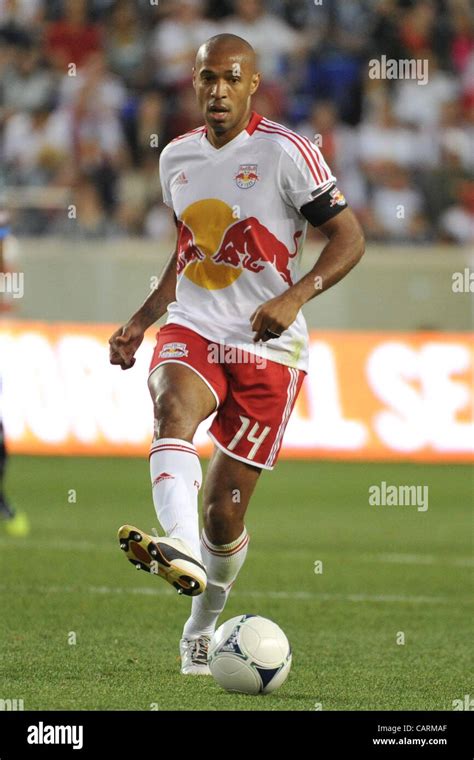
x=146 y=553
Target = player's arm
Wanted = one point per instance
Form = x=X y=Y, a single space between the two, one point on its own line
x=343 y=250
x=125 y=341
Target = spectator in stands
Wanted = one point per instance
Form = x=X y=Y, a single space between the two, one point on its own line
x=74 y=38
x=25 y=84
x=462 y=41
x=150 y=124
x=457 y=222
x=383 y=138
x=420 y=104
x=89 y=220
x=271 y=103
x=126 y=45
x=454 y=139
x=131 y=81
x=36 y=144
x=385 y=31
x=416 y=28
x=467 y=81
x=94 y=83
x=186 y=114
x=95 y=98
x=21 y=14
x=469 y=126
x=352 y=22
x=138 y=191
x=396 y=209
x=272 y=38
x=176 y=40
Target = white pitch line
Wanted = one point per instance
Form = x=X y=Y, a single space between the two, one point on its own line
x=90 y=546
x=284 y=595
x=421 y=559
x=59 y=545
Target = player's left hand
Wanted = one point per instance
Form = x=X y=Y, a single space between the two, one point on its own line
x=274 y=317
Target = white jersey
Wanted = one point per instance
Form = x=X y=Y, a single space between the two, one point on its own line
x=240 y=230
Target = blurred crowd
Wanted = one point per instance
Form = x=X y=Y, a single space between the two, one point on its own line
x=90 y=92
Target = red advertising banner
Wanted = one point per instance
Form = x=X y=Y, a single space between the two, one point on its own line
x=368 y=395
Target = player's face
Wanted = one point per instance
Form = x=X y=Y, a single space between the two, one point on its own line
x=224 y=84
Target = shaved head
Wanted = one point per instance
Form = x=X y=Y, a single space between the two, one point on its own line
x=231 y=45
x=225 y=77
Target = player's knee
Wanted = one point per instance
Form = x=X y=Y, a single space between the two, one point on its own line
x=220 y=519
x=175 y=416
x=168 y=407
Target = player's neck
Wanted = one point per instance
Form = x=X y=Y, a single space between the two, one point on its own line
x=219 y=140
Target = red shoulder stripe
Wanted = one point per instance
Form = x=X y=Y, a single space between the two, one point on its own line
x=318 y=169
x=312 y=150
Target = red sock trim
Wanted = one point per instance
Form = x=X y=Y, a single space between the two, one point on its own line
x=226 y=552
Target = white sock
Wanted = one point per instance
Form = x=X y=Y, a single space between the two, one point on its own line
x=176 y=478
x=223 y=564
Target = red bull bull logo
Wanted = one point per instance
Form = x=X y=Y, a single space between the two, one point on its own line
x=246 y=176
x=337 y=197
x=173 y=350
x=214 y=248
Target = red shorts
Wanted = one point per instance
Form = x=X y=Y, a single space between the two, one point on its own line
x=254 y=397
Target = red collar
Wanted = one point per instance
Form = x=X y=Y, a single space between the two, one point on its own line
x=255 y=120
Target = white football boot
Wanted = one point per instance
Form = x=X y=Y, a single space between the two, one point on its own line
x=194 y=656
x=170 y=558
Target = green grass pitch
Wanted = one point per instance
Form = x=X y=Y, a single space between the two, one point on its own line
x=386 y=571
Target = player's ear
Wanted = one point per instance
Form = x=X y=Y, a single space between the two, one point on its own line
x=194 y=77
x=255 y=82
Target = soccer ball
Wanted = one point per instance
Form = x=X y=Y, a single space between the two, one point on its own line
x=249 y=654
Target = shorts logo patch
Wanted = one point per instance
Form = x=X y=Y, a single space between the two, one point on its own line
x=247 y=176
x=337 y=198
x=173 y=351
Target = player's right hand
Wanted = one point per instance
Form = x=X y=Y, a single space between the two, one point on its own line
x=124 y=343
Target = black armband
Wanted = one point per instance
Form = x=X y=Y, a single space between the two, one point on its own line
x=330 y=203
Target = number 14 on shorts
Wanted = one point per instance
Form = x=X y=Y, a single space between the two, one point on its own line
x=251 y=436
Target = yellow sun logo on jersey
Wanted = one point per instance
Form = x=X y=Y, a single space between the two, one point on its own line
x=215 y=248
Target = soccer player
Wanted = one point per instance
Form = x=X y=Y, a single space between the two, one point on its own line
x=15 y=523
x=242 y=189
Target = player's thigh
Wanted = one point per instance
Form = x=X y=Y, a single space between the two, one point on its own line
x=183 y=383
x=250 y=424
x=228 y=487
x=177 y=391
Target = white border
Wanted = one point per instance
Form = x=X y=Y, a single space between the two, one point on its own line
x=176 y=361
x=236 y=456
